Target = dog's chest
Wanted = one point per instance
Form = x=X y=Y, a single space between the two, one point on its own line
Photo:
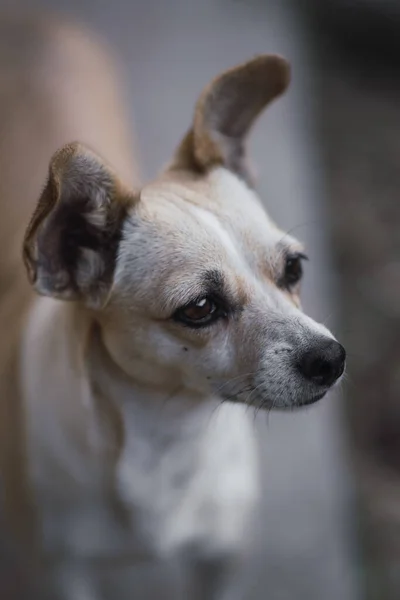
x=191 y=481
x=184 y=476
x=168 y=492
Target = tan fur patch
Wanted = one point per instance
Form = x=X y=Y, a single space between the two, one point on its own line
x=225 y=113
x=42 y=64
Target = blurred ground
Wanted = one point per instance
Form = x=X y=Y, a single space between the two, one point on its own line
x=304 y=546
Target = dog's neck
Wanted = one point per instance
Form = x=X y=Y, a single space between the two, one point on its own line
x=96 y=434
x=163 y=414
x=93 y=404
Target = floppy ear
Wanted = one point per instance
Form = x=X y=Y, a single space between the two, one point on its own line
x=71 y=244
x=225 y=112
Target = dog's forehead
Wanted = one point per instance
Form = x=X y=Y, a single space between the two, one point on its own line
x=184 y=227
x=218 y=206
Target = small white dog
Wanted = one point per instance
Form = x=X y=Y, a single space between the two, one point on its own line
x=167 y=309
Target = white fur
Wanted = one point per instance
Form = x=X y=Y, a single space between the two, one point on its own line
x=138 y=437
x=187 y=474
x=213 y=446
x=211 y=223
x=210 y=504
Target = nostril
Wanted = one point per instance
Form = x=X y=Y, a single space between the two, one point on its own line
x=324 y=363
x=315 y=367
x=321 y=370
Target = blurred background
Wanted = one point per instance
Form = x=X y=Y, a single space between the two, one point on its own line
x=328 y=158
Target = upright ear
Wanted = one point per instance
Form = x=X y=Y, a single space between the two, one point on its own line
x=225 y=112
x=71 y=244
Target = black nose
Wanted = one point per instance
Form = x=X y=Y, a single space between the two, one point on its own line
x=324 y=363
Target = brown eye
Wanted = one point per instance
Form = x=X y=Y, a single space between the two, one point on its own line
x=293 y=270
x=200 y=312
x=197 y=311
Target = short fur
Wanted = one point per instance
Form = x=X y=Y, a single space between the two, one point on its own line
x=129 y=450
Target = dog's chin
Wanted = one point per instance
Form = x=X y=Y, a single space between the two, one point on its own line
x=311 y=400
x=299 y=404
x=267 y=405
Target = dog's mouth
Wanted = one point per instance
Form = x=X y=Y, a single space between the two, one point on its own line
x=256 y=400
x=312 y=400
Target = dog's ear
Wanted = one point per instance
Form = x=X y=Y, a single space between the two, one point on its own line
x=71 y=244
x=225 y=112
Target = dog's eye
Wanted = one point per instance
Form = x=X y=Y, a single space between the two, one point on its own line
x=293 y=269
x=199 y=313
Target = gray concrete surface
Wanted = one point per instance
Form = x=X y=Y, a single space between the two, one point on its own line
x=170 y=49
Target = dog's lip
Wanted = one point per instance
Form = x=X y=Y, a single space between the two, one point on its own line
x=313 y=399
x=308 y=401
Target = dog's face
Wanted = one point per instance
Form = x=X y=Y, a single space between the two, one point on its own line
x=193 y=285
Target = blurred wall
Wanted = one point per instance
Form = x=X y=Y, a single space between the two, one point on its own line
x=359 y=121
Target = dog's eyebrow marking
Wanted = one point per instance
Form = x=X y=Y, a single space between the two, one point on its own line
x=210 y=282
x=214 y=282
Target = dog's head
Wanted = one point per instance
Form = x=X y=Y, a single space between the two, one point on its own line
x=191 y=282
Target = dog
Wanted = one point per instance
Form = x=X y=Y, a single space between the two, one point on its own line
x=162 y=312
